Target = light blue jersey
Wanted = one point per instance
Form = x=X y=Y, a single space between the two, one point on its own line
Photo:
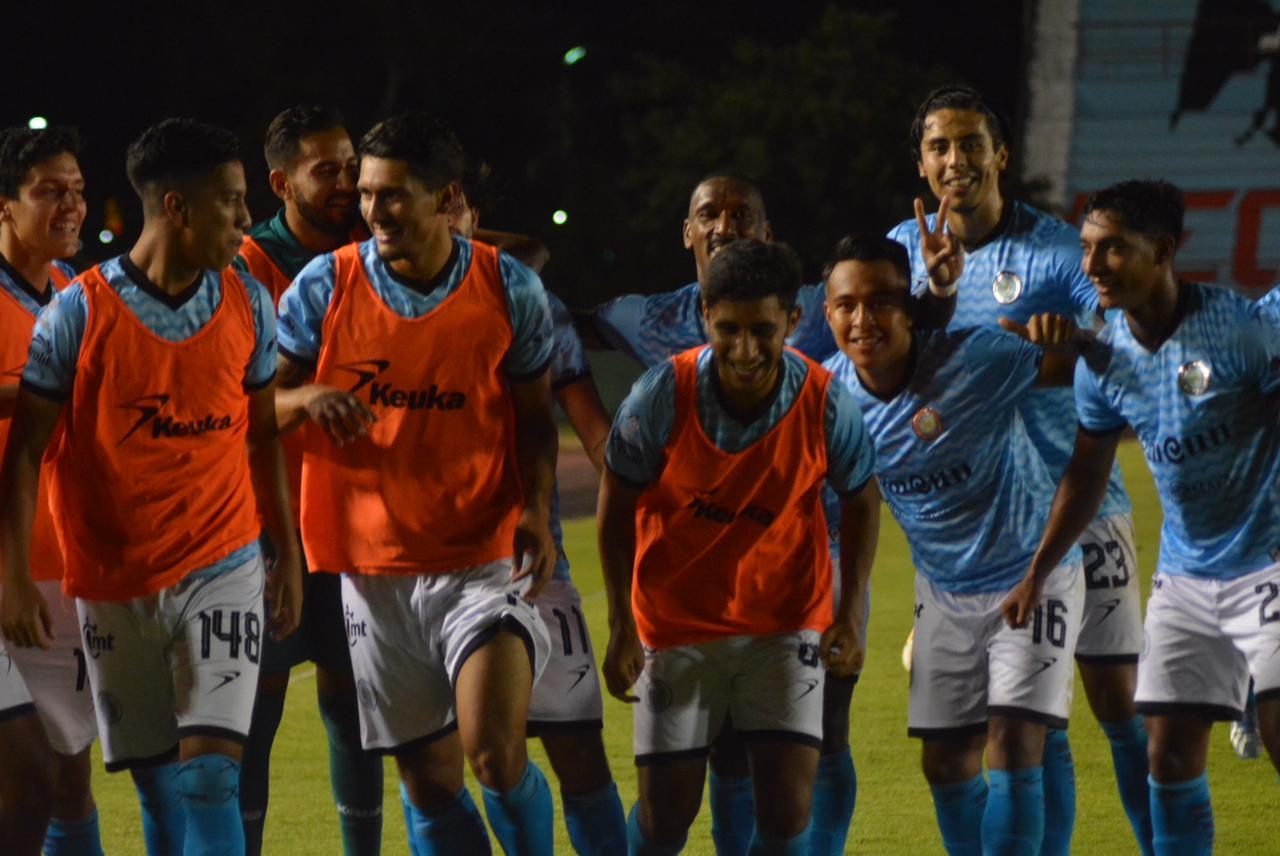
x=304 y=304
x=568 y=366
x=1205 y=409
x=642 y=425
x=1029 y=266
x=652 y=328
x=1267 y=307
x=955 y=463
x=59 y=334
x=22 y=291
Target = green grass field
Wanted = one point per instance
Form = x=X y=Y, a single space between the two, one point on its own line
x=894 y=812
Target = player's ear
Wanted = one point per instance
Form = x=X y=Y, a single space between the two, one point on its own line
x=1164 y=249
x=450 y=199
x=280 y=185
x=5 y=213
x=175 y=207
x=793 y=320
x=688 y=234
x=768 y=232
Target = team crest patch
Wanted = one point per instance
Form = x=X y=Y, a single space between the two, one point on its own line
x=659 y=696
x=1006 y=287
x=367 y=695
x=1193 y=377
x=927 y=424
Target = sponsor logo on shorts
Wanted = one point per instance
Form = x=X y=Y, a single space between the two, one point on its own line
x=1045 y=665
x=367 y=695
x=356 y=630
x=389 y=395
x=809 y=684
x=1110 y=606
x=111 y=708
x=95 y=643
x=705 y=507
x=581 y=672
x=149 y=407
x=226 y=678
x=658 y=697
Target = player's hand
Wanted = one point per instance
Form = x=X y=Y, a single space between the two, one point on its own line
x=623 y=663
x=942 y=252
x=24 y=615
x=284 y=594
x=1018 y=607
x=1046 y=330
x=841 y=649
x=535 y=555
x=343 y=417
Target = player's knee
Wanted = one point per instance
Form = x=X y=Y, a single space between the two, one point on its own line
x=1014 y=744
x=72 y=797
x=498 y=765
x=1176 y=748
x=29 y=791
x=209 y=781
x=579 y=761
x=946 y=762
x=784 y=812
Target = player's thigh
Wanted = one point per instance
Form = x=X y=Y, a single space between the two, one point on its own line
x=948 y=692
x=684 y=695
x=1111 y=632
x=24 y=749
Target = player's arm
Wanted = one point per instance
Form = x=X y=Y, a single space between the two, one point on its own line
x=24 y=616
x=616 y=531
x=270 y=487
x=581 y=403
x=8 y=395
x=842 y=648
x=1075 y=504
x=1061 y=341
x=537 y=444
x=529 y=250
x=342 y=415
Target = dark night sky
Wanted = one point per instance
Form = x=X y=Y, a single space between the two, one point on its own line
x=494 y=70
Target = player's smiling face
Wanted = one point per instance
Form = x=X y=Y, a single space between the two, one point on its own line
x=322 y=182
x=959 y=159
x=867 y=310
x=1124 y=266
x=216 y=218
x=49 y=209
x=721 y=211
x=747 y=338
x=402 y=212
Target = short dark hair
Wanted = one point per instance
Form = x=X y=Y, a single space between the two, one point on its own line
x=955 y=96
x=285 y=133
x=1150 y=207
x=177 y=150
x=428 y=145
x=869 y=249
x=753 y=270
x=23 y=148
x=743 y=184
x=477 y=185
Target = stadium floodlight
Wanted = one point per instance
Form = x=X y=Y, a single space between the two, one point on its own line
x=37 y=123
x=574 y=55
x=560 y=217
x=106 y=236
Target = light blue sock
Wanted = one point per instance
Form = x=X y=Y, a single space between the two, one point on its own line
x=1013 y=824
x=732 y=814
x=455 y=827
x=163 y=823
x=73 y=837
x=1059 y=794
x=959 y=809
x=1182 y=817
x=210 y=790
x=835 y=791
x=522 y=818
x=595 y=822
x=1129 y=756
x=638 y=845
x=763 y=844
x=355 y=776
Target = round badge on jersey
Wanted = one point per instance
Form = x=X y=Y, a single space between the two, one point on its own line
x=927 y=424
x=1006 y=287
x=1193 y=377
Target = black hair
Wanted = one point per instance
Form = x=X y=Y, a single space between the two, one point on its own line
x=742 y=183
x=477 y=185
x=428 y=145
x=955 y=96
x=284 y=135
x=23 y=148
x=1151 y=207
x=177 y=150
x=870 y=248
x=753 y=270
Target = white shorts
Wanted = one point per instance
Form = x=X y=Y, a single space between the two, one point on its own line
x=1203 y=640
x=410 y=635
x=55 y=679
x=15 y=698
x=1112 y=628
x=179 y=663
x=967 y=663
x=567 y=696
x=770 y=685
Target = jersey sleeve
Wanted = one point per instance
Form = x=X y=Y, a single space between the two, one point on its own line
x=642 y=427
x=302 y=309
x=531 y=342
x=851 y=456
x=1068 y=270
x=261 y=369
x=650 y=328
x=1002 y=364
x=1259 y=352
x=813 y=335
x=1095 y=413
x=568 y=357
x=55 y=345
x=1267 y=307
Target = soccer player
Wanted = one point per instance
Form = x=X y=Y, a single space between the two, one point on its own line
x=436 y=513
x=566 y=710
x=1197 y=377
x=959 y=473
x=712 y=538
x=46 y=711
x=1019 y=262
x=313 y=171
x=652 y=328
x=156 y=369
